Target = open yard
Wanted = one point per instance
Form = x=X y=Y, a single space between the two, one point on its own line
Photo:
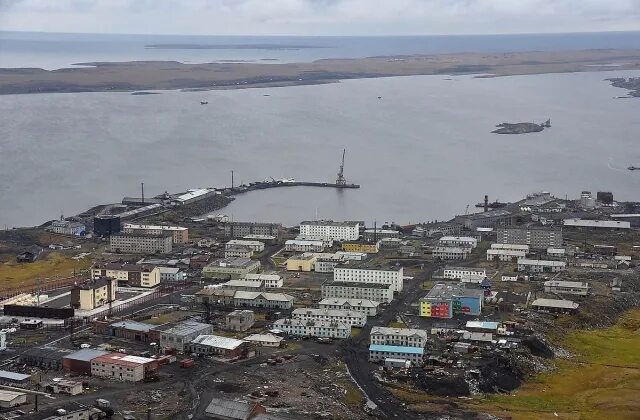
x=53 y=266
x=602 y=380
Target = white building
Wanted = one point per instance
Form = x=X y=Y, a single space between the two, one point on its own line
x=365 y=306
x=383 y=353
x=451 y=252
x=255 y=246
x=337 y=231
x=511 y=247
x=264 y=340
x=67 y=227
x=263 y=300
x=362 y=274
x=180 y=234
x=567 y=287
x=504 y=254
x=369 y=291
x=237 y=251
x=353 y=318
x=458 y=241
x=541 y=266
x=601 y=224
x=556 y=252
x=327 y=243
x=465 y=274
x=409 y=337
x=352 y=256
x=269 y=281
x=141 y=243
x=303 y=246
x=171 y=274
x=326 y=263
x=303 y=328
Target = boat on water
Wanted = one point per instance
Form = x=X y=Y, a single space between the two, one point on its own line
x=633 y=168
x=204 y=102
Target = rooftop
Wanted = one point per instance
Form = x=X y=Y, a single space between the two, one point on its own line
x=232 y=263
x=261 y=277
x=459 y=238
x=487 y=214
x=406 y=332
x=86 y=355
x=614 y=224
x=133 y=325
x=327 y=312
x=364 y=303
x=228 y=409
x=548 y=263
x=244 y=242
x=218 y=341
x=560 y=283
x=152 y=227
x=279 y=297
x=142 y=235
x=306 y=323
x=555 y=303
x=123 y=360
x=448 y=291
x=368 y=265
x=330 y=223
x=485 y=325
x=7 y=396
x=122 y=266
x=13 y=376
x=474 y=269
x=264 y=337
x=185 y=328
x=396 y=349
x=358 y=285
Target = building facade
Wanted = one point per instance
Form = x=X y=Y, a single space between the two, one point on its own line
x=364 y=247
x=94 y=294
x=458 y=241
x=305 y=262
x=365 y=306
x=269 y=281
x=446 y=300
x=318 y=329
x=242 y=229
x=240 y=320
x=237 y=251
x=303 y=246
x=180 y=235
x=567 y=287
x=377 y=234
x=397 y=343
x=541 y=266
x=123 y=367
x=262 y=300
x=141 y=243
x=450 y=253
x=255 y=246
x=377 y=275
x=504 y=254
x=535 y=237
x=230 y=268
x=382 y=293
x=135 y=275
x=215 y=345
x=328 y=229
x=465 y=274
x=353 y=318
x=67 y=227
x=178 y=335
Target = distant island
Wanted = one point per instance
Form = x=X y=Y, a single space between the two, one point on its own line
x=632 y=84
x=521 y=128
x=160 y=75
x=231 y=46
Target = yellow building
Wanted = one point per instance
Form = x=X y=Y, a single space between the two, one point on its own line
x=368 y=248
x=425 y=308
x=94 y=294
x=304 y=262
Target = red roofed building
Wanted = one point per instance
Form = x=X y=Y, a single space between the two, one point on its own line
x=123 y=367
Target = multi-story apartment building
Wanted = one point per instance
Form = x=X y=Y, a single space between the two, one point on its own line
x=511 y=247
x=377 y=234
x=365 y=306
x=353 y=318
x=504 y=254
x=299 y=327
x=255 y=246
x=534 y=236
x=328 y=229
x=375 y=275
x=237 y=251
x=135 y=275
x=326 y=263
x=267 y=300
x=242 y=229
x=141 y=243
x=94 y=294
x=171 y=274
x=382 y=293
x=541 y=266
x=397 y=343
x=303 y=246
x=461 y=241
x=465 y=274
x=451 y=252
x=179 y=234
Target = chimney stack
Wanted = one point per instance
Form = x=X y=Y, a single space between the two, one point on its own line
x=486 y=203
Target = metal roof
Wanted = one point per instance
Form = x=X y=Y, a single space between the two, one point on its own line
x=486 y=325
x=555 y=303
x=7 y=396
x=13 y=376
x=327 y=312
x=269 y=338
x=133 y=325
x=396 y=349
x=597 y=223
x=406 y=332
x=359 y=303
x=185 y=328
x=228 y=409
x=218 y=342
x=86 y=355
x=547 y=263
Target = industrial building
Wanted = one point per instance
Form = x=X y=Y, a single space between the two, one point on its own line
x=67 y=227
x=193 y=196
x=534 y=236
x=555 y=305
x=451 y=252
x=363 y=273
x=541 y=266
x=240 y=320
x=222 y=409
x=263 y=300
x=123 y=367
x=64 y=386
x=128 y=330
x=319 y=329
x=446 y=300
x=176 y=336
x=242 y=229
x=382 y=293
x=269 y=281
x=492 y=218
x=597 y=224
x=215 y=345
x=242 y=284
x=141 y=243
x=79 y=362
x=567 y=287
x=230 y=268
x=180 y=235
x=353 y=318
x=10 y=399
x=460 y=241
x=328 y=229
x=296 y=245
x=94 y=293
x=504 y=254
x=465 y=274
x=365 y=306
x=255 y=246
x=14 y=377
x=134 y=275
x=106 y=225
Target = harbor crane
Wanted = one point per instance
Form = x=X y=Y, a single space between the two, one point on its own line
x=340 y=180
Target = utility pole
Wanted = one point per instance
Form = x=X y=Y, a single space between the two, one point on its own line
x=142 y=185
x=232 y=179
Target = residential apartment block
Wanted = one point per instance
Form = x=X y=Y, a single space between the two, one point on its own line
x=353 y=318
x=303 y=246
x=541 y=266
x=534 y=236
x=365 y=306
x=465 y=274
x=242 y=229
x=382 y=293
x=458 y=241
x=255 y=246
x=135 y=275
x=373 y=275
x=94 y=294
x=262 y=300
x=179 y=234
x=451 y=252
x=319 y=329
x=397 y=343
x=328 y=229
x=141 y=243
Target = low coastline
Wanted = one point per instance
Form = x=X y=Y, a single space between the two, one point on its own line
x=169 y=75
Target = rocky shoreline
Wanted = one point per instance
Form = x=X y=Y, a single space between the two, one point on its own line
x=519 y=128
x=632 y=84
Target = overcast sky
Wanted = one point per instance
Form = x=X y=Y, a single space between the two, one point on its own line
x=319 y=17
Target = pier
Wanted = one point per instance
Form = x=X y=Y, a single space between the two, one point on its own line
x=263 y=185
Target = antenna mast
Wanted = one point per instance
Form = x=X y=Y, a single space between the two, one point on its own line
x=340 y=180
